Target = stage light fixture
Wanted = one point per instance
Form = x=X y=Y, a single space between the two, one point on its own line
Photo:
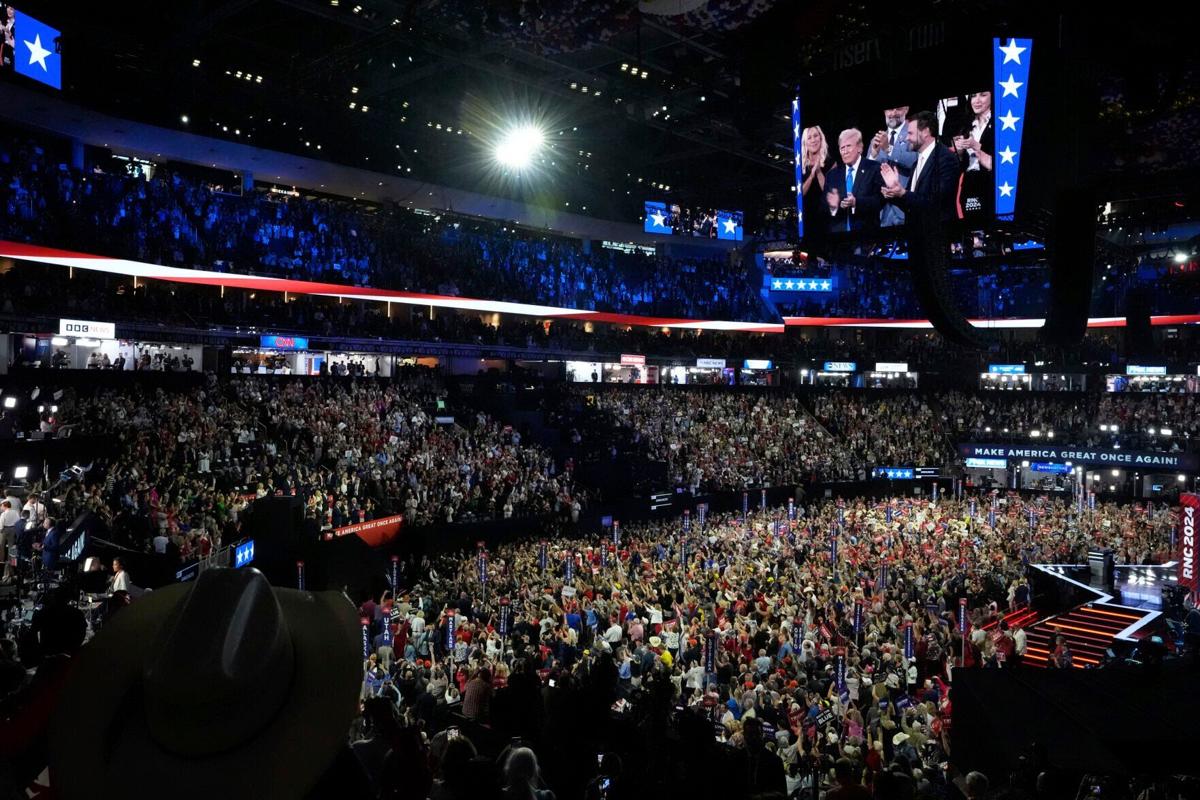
x=10 y=402
x=518 y=146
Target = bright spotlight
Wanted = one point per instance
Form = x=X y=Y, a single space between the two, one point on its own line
x=10 y=402
x=20 y=473
x=518 y=146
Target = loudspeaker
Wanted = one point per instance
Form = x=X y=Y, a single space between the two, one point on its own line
x=928 y=255
x=1072 y=247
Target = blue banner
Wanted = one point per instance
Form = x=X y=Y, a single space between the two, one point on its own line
x=840 y=671
x=888 y=514
x=792 y=509
x=687 y=521
x=935 y=491
x=894 y=473
x=798 y=283
x=300 y=575
x=858 y=617
x=702 y=509
x=569 y=567
x=833 y=544
x=883 y=576
x=394 y=574
x=366 y=637
x=683 y=553
x=798 y=166
x=36 y=52
x=962 y=615
x=451 y=628
x=603 y=557
x=992 y=518
x=243 y=553
x=505 y=617
x=745 y=505
x=729 y=225
x=616 y=533
x=971 y=509
x=710 y=653
x=483 y=560
x=909 y=649
x=1092 y=501
x=1011 y=75
x=762 y=500
x=542 y=555
x=797 y=635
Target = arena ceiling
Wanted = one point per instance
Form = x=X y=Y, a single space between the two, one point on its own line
x=684 y=94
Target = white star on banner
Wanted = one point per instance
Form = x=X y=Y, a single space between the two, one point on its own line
x=1012 y=52
x=812 y=286
x=1006 y=189
x=1010 y=86
x=37 y=53
x=730 y=225
x=1009 y=121
x=1007 y=155
x=825 y=286
x=796 y=131
x=659 y=219
x=788 y=285
x=777 y=285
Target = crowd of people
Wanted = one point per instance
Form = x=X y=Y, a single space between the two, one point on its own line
x=775 y=661
x=185 y=465
x=176 y=219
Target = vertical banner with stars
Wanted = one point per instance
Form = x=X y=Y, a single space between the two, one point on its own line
x=798 y=160
x=1011 y=74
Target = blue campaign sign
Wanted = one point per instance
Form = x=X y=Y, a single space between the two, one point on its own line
x=1006 y=369
x=1138 y=369
x=798 y=283
x=243 y=554
x=36 y=50
x=658 y=218
x=729 y=225
x=894 y=473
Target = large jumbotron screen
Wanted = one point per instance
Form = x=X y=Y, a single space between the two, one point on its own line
x=978 y=114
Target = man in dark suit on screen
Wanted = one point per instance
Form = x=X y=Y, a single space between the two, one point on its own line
x=853 y=189
x=933 y=187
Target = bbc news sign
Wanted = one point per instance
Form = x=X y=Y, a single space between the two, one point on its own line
x=632 y=360
x=89 y=328
x=711 y=363
x=1179 y=462
x=1141 y=369
x=1189 y=509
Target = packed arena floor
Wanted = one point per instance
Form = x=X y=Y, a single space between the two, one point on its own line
x=581 y=401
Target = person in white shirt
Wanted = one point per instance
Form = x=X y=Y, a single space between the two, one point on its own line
x=613 y=634
x=160 y=543
x=9 y=517
x=120 y=579
x=36 y=509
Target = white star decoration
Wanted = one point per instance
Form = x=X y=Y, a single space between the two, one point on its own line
x=1012 y=52
x=730 y=225
x=796 y=131
x=825 y=285
x=37 y=53
x=788 y=285
x=777 y=285
x=1006 y=189
x=795 y=105
x=659 y=219
x=1009 y=122
x=1007 y=155
x=1010 y=86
